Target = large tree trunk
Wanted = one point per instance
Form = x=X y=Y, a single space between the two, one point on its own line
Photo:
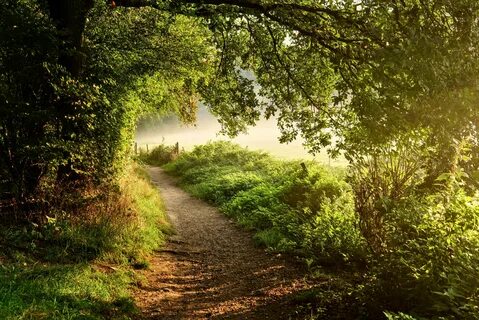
x=70 y=19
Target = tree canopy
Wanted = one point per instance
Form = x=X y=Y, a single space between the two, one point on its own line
x=378 y=67
x=349 y=75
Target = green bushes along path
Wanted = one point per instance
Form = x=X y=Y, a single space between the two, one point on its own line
x=292 y=206
x=82 y=267
x=416 y=249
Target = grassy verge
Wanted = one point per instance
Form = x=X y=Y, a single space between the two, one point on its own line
x=295 y=207
x=292 y=206
x=81 y=267
x=416 y=249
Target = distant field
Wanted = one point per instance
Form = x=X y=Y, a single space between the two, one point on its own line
x=262 y=137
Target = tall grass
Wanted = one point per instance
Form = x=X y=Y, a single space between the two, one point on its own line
x=80 y=265
x=292 y=206
x=160 y=155
x=420 y=247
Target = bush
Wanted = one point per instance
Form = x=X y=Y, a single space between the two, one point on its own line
x=380 y=181
x=424 y=242
x=220 y=189
x=432 y=269
x=160 y=155
x=326 y=224
x=292 y=206
x=255 y=208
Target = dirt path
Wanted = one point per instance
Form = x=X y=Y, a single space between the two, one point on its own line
x=211 y=268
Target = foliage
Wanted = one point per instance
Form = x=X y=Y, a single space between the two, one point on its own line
x=59 y=126
x=69 y=268
x=364 y=73
x=160 y=155
x=420 y=243
x=28 y=77
x=430 y=271
x=381 y=179
x=75 y=75
x=424 y=241
x=308 y=212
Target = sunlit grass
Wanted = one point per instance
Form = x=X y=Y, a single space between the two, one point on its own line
x=43 y=277
x=58 y=291
x=262 y=137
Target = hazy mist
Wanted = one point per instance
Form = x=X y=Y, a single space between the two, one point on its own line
x=264 y=136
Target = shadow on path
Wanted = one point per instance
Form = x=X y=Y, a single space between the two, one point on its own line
x=211 y=269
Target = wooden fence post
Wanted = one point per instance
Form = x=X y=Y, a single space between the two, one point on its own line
x=147 y=149
x=136 y=148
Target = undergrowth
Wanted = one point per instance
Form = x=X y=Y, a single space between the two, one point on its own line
x=292 y=206
x=159 y=156
x=416 y=248
x=80 y=266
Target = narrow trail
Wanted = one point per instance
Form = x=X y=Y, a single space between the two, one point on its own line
x=211 y=269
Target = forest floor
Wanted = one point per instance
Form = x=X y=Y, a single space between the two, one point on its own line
x=211 y=268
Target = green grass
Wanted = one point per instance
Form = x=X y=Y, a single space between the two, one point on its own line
x=293 y=206
x=74 y=269
x=58 y=291
x=425 y=266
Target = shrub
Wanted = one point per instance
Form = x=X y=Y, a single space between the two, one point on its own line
x=227 y=186
x=332 y=235
x=255 y=208
x=292 y=206
x=380 y=180
x=425 y=242
x=274 y=239
x=160 y=155
x=196 y=175
x=326 y=225
x=432 y=270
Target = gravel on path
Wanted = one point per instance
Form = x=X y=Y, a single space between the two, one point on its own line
x=211 y=269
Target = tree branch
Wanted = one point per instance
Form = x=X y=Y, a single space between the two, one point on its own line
x=255 y=5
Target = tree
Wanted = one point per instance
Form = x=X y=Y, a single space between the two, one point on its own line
x=58 y=126
x=28 y=75
x=364 y=72
x=377 y=67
